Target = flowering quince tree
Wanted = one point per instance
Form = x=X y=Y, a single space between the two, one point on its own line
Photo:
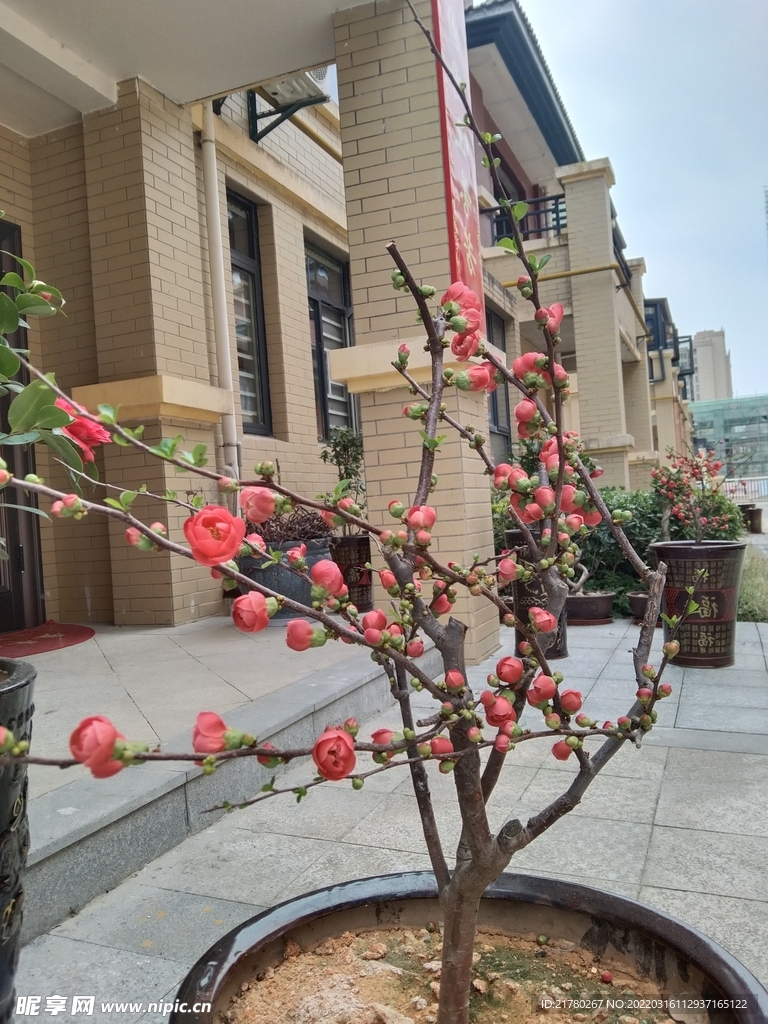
x=689 y=488
x=469 y=735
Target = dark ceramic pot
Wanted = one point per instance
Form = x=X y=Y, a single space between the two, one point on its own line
x=281 y=580
x=638 y=602
x=17 y=679
x=351 y=554
x=533 y=595
x=682 y=961
x=590 y=609
x=708 y=637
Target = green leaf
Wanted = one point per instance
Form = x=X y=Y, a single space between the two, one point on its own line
x=9 y=314
x=692 y=607
x=519 y=210
x=12 y=280
x=169 y=496
x=33 y=305
x=167 y=447
x=509 y=244
x=26 y=408
x=200 y=455
x=113 y=503
x=40 y=286
x=127 y=498
x=26 y=438
x=107 y=414
x=27 y=508
x=671 y=620
x=65 y=449
x=22 y=263
x=534 y=263
x=9 y=361
x=53 y=417
x=486 y=162
x=545 y=260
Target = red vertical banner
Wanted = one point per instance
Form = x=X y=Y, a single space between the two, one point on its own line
x=461 y=201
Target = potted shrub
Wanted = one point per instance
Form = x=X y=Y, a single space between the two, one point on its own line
x=699 y=527
x=423 y=591
x=343 y=448
x=300 y=533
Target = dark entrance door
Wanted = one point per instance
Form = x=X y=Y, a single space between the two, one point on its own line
x=21 y=593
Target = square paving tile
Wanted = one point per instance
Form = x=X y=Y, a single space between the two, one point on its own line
x=715 y=792
x=727 y=719
x=695 y=860
x=608 y=796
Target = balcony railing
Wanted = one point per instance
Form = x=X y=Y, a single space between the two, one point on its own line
x=546 y=218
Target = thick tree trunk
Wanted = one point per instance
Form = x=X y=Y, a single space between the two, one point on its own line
x=460 y=909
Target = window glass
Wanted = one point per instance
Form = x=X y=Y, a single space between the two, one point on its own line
x=329 y=330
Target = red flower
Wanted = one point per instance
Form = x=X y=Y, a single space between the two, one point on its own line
x=83 y=432
x=510 y=670
x=477 y=378
x=421 y=517
x=462 y=295
x=499 y=712
x=93 y=744
x=561 y=750
x=334 y=754
x=326 y=573
x=249 y=612
x=208 y=735
x=440 y=745
x=414 y=649
x=465 y=345
x=454 y=680
x=214 y=535
x=542 y=621
x=299 y=635
x=376 y=619
x=258 y=503
x=541 y=690
x=571 y=700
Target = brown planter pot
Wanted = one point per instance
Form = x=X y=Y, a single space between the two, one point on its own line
x=590 y=609
x=638 y=602
x=279 y=579
x=682 y=961
x=708 y=637
x=351 y=554
x=533 y=595
x=17 y=680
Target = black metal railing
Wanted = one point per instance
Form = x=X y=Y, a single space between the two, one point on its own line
x=618 y=253
x=546 y=216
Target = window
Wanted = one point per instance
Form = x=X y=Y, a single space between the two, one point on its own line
x=498 y=400
x=329 y=329
x=249 y=315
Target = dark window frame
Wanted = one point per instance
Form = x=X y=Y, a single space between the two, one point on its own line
x=316 y=301
x=496 y=330
x=250 y=263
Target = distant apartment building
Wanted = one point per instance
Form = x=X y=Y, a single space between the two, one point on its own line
x=737 y=429
x=711 y=367
x=670 y=370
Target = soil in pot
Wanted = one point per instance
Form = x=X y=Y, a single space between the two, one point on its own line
x=592 y=609
x=392 y=976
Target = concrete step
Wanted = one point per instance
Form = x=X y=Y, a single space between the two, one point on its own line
x=89 y=835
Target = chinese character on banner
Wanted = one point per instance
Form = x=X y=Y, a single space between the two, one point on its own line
x=462 y=206
x=83 y=1004
x=28 y=1006
x=55 y=1004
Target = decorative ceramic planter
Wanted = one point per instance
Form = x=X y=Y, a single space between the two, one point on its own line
x=638 y=602
x=351 y=554
x=17 y=680
x=277 y=578
x=708 y=637
x=590 y=609
x=682 y=961
x=533 y=595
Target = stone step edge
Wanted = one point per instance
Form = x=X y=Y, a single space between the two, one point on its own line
x=155 y=807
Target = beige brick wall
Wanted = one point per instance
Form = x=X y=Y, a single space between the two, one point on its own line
x=390 y=131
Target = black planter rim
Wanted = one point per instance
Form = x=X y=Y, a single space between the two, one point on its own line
x=20 y=673
x=206 y=978
x=687 y=545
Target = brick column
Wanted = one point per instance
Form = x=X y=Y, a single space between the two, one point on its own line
x=637 y=392
x=390 y=131
x=145 y=244
x=598 y=344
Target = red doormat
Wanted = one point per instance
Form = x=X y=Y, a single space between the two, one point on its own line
x=51 y=636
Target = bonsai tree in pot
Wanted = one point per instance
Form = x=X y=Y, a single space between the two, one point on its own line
x=422 y=591
x=699 y=527
x=343 y=448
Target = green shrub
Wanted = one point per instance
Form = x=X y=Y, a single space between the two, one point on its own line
x=753 y=596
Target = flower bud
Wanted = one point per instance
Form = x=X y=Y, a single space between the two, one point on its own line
x=671 y=648
x=648 y=671
x=645 y=696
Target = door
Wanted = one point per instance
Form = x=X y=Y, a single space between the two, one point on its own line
x=21 y=592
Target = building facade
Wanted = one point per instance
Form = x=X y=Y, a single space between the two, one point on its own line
x=670 y=370
x=711 y=367
x=229 y=283
x=737 y=429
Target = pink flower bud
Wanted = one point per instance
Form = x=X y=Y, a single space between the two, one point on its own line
x=376 y=619
x=571 y=701
x=561 y=750
x=414 y=649
x=396 y=508
x=501 y=743
x=671 y=648
x=258 y=503
x=648 y=671
x=510 y=670
x=541 y=691
x=373 y=637
x=454 y=680
x=542 y=621
x=665 y=689
x=644 y=695
x=441 y=745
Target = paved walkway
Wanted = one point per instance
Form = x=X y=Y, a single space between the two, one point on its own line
x=153 y=681
x=681 y=824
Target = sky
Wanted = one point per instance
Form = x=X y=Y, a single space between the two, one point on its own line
x=675 y=93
